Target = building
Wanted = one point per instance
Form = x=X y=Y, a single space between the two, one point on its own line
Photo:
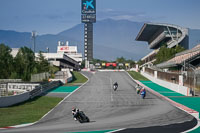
x=158 y=34
x=188 y=57
x=70 y=51
x=66 y=56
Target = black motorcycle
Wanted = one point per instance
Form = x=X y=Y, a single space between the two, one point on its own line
x=115 y=86
x=81 y=117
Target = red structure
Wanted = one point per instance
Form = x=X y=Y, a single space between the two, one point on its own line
x=111 y=64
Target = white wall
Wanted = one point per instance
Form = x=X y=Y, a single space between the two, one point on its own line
x=67 y=78
x=175 y=87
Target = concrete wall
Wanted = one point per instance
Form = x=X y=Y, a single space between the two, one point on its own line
x=40 y=77
x=11 y=100
x=175 y=87
x=15 y=99
x=66 y=76
x=70 y=78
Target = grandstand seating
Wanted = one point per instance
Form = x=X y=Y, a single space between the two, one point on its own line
x=182 y=57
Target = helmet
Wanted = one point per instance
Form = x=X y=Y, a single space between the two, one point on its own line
x=73 y=108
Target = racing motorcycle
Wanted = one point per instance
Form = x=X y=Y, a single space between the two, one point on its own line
x=143 y=94
x=115 y=86
x=81 y=117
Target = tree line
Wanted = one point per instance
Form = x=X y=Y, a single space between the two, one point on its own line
x=165 y=53
x=23 y=65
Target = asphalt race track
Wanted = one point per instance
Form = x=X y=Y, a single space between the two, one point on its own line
x=112 y=110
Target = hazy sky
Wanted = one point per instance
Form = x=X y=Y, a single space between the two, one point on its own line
x=54 y=16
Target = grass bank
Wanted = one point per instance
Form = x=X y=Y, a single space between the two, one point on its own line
x=27 y=112
x=78 y=78
x=137 y=76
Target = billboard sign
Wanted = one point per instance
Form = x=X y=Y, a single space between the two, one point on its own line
x=67 y=49
x=88 y=7
x=103 y=64
x=111 y=64
x=91 y=18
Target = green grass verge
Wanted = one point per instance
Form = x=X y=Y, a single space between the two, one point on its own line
x=137 y=76
x=27 y=112
x=77 y=78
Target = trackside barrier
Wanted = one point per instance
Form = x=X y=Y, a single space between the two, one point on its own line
x=15 y=99
x=65 y=76
x=178 y=105
x=175 y=87
x=11 y=100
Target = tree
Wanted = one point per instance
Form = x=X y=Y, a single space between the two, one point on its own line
x=6 y=62
x=25 y=63
x=43 y=65
x=121 y=60
x=165 y=53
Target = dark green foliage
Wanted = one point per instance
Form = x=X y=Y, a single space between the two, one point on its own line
x=43 y=64
x=121 y=60
x=23 y=65
x=165 y=53
x=6 y=61
x=140 y=62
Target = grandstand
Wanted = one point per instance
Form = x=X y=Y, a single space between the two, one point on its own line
x=191 y=56
x=158 y=34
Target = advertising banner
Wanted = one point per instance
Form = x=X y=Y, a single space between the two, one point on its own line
x=88 y=6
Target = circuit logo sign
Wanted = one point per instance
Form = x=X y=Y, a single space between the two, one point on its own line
x=88 y=6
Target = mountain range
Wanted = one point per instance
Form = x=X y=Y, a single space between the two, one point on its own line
x=112 y=39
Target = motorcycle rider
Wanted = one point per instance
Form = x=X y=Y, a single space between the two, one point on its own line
x=138 y=88
x=75 y=112
x=115 y=84
x=143 y=92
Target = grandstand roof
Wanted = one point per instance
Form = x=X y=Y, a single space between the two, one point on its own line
x=147 y=31
x=156 y=34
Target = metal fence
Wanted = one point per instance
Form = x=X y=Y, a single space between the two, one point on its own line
x=192 y=80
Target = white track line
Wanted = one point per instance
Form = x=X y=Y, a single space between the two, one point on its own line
x=167 y=99
x=29 y=124
x=116 y=130
x=198 y=124
x=66 y=97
